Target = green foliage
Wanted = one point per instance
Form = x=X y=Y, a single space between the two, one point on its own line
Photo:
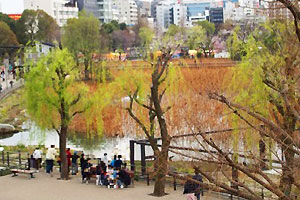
x=9 y=21
x=113 y=26
x=36 y=25
x=52 y=84
x=208 y=27
x=146 y=34
x=82 y=36
x=235 y=45
x=196 y=37
x=264 y=59
x=7 y=36
x=209 y=31
x=174 y=36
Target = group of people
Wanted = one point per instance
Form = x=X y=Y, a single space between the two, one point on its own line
x=110 y=174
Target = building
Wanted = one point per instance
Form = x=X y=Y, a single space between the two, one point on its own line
x=277 y=11
x=128 y=12
x=108 y=10
x=245 y=10
x=40 y=49
x=60 y=10
x=144 y=8
x=89 y=6
x=216 y=15
x=178 y=15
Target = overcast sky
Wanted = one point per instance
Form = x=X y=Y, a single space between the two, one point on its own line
x=11 y=6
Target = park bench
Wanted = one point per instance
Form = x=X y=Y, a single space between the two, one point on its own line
x=30 y=173
x=1 y=170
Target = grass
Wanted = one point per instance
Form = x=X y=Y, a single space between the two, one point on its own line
x=12 y=109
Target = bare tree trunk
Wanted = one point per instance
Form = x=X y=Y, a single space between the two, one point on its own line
x=287 y=178
x=86 y=70
x=62 y=149
x=262 y=154
x=161 y=172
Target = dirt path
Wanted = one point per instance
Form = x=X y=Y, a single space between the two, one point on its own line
x=44 y=187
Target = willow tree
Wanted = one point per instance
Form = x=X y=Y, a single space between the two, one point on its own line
x=148 y=106
x=54 y=97
x=81 y=37
x=264 y=103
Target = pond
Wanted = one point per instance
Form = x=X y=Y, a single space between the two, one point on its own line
x=95 y=146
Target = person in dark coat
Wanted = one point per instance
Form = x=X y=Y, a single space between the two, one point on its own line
x=118 y=163
x=86 y=171
x=192 y=187
x=124 y=177
x=197 y=186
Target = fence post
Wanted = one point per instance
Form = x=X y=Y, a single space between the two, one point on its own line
x=19 y=152
x=3 y=157
x=174 y=182
x=132 y=165
x=148 y=179
x=143 y=159
x=262 y=193
x=7 y=159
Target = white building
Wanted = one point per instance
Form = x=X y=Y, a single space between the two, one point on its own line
x=108 y=10
x=128 y=12
x=60 y=10
x=179 y=15
x=244 y=10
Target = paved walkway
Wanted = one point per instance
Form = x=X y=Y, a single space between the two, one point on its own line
x=6 y=87
x=44 y=187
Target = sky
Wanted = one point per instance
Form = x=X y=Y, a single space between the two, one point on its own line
x=11 y=6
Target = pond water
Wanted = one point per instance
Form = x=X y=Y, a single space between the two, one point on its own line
x=94 y=146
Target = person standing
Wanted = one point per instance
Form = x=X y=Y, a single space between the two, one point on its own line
x=74 y=163
x=198 y=189
x=69 y=156
x=105 y=159
x=37 y=155
x=50 y=157
x=112 y=163
x=118 y=163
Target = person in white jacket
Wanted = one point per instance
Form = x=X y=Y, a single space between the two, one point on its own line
x=37 y=155
x=50 y=157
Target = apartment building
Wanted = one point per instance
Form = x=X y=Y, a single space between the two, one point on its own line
x=60 y=10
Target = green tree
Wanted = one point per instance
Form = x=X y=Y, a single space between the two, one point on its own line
x=148 y=107
x=174 y=37
x=36 y=25
x=54 y=97
x=146 y=34
x=7 y=38
x=81 y=36
x=264 y=91
x=210 y=31
x=196 y=37
x=10 y=22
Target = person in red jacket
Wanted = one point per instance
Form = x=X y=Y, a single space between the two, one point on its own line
x=69 y=156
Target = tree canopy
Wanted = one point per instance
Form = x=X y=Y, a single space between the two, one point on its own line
x=196 y=37
x=10 y=22
x=54 y=97
x=7 y=36
x=36 y=25
x=81 y=36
